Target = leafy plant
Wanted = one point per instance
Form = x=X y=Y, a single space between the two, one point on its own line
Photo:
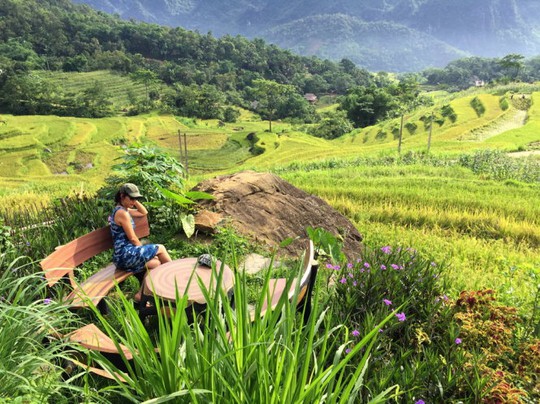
x=146 y=166
x=478 y=106
x=418 y=350
x=29 y=368
x=231 y=357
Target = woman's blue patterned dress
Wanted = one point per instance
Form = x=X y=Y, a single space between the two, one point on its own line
x=127 y=256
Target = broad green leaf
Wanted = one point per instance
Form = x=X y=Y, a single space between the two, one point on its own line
x=181 y=200
x=188 y=224
x=196 y=195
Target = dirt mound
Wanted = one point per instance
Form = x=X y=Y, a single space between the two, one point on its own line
x=268 y=209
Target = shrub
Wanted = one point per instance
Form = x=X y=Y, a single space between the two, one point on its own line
x=411 y=127
x=503 y=103
x=418 y=350
x=510 y=368
x=231 y=114
x=29 y=368
x=478 y=106
x=448 y=112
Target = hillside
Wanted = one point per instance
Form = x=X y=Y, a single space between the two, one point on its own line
x=487 y=28
x=63 y=153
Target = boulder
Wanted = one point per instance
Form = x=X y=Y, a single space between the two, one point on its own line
x=207 y=221
x=268 y=209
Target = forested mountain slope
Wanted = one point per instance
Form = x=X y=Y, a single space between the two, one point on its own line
x=488 y=28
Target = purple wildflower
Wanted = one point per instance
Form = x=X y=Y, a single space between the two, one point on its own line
x=355 y=333
x=433 y=264
x=349 y=265
x=387 y=249
x=343 y=280
x=457 y=341
x=354 y=283
x=351 y=275
x=337 y=267
x=420 y=402
x=387 y=302
x=401 y=316
x=329 y=266
x=366 y=265
x=348 y=350
x=394 y=266
x=47 y=301
x=383 y=267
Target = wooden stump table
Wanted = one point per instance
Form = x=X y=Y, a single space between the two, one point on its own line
x=181 y=277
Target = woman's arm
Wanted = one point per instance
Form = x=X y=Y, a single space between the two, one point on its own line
x=123 y=219
x=139 y=210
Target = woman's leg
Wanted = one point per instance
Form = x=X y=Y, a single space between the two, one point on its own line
x=163 y=254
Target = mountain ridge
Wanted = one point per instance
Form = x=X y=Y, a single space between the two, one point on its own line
x=448 y=30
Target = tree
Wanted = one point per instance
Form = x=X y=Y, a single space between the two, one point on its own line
x=269 y=96
x=512 y=63
x=366 y=106
x=146 y=77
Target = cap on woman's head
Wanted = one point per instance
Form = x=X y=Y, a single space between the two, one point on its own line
x=131 y=189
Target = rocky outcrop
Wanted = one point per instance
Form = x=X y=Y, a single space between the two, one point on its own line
x=268 y=209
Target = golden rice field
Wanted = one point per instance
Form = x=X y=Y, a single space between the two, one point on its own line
x=487 y=232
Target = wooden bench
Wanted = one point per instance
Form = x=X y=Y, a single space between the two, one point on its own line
x=63 y=261
x=92 y=338
x=278 y=287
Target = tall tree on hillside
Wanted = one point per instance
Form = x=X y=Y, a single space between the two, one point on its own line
x=146 y=77
x=406 y=92
x=366 y=106
x=269 y=96
x=512 y=64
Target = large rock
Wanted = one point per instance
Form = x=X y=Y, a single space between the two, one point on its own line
x=268 y=209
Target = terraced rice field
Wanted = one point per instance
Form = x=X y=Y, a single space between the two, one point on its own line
x=117 y=87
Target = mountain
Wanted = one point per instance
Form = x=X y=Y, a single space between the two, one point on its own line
x=391 y=35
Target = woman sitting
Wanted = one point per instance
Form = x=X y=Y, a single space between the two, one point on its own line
x=129 y=253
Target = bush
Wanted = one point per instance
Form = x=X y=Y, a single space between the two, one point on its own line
x=227 y=357
x=503 y=103
x=231 y=114
x=418 y=350
x=448 y=112
x=478 y=106
x=29 y=369
x=411 y=127
x=509 y=367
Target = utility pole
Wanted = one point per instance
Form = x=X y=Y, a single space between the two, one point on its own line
x=400 y=133
x=182 y=143
x=186 y=155
x=430 y=131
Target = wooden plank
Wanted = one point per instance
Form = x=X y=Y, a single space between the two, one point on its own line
x=91 y=337
x=96 y=287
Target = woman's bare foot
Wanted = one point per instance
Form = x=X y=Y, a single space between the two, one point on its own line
x=137 y=296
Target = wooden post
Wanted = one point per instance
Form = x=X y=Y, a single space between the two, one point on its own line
x=400 y=134
x=181 y=147
x=430 y=130
x=186 y=155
